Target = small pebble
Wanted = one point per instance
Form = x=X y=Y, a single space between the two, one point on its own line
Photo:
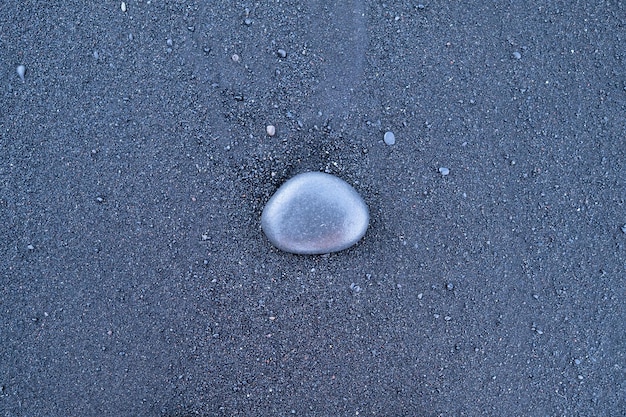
x=444 y=171
x=21 y=71
x=390 y=138
x=282 y=53
x=517 y=55
x=354 y=287
x=235 y=58
x=271 y=130
x=247 y=21
x=450 y=286
x=30 y=247
x=315 y=213
x=123 y=6
x=624 y=228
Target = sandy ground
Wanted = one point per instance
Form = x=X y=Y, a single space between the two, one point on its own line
x=134 y=165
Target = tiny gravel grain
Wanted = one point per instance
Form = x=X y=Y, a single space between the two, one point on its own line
x=21 y=71
x=444 y=171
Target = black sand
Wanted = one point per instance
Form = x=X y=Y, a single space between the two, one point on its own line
x=134 y=165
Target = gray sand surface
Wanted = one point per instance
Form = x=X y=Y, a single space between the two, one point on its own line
x=135 y=279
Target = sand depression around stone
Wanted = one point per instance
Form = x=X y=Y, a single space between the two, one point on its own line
x=315 y=213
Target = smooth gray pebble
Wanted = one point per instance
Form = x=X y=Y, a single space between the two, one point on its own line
x=315 y=213
x=444 y=171
x=390 y=138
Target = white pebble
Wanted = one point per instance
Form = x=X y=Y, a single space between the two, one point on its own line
x=235 y=58
x=444 y=171
x=390 y=138
x=21 y=70
x=271 y=130
x=123 y=6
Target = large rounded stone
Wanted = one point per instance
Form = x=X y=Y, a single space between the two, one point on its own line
x=315 y=213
